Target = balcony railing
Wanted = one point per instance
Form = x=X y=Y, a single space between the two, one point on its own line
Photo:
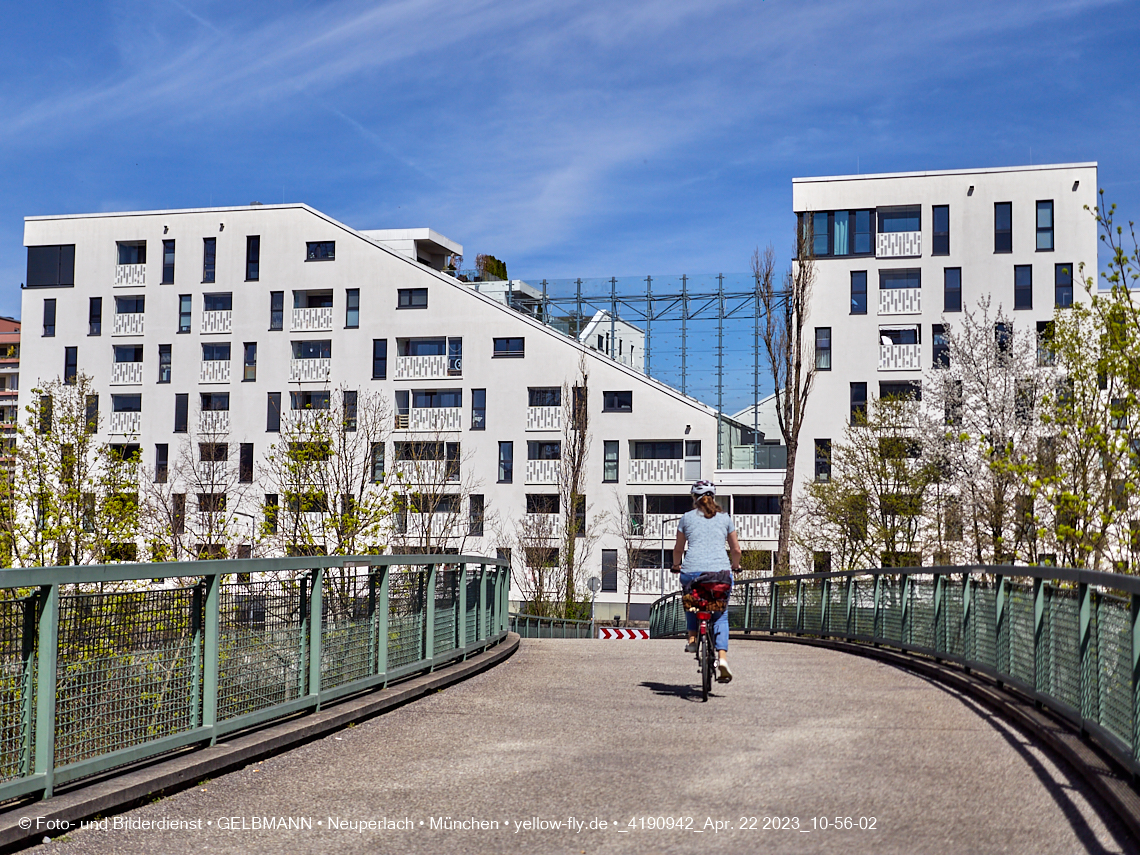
x=542 y=471
x=661 y=471
x=128 y=323
x=544 y=418
x=898 y=244
x=426 y=472
x=215 y=371
x=217 y=322
x=214 y=421
x=900 y=357
x=128 y=424
x=421 y=367
x=126 y=373
x=318 y=319
x=900 y=301
x=309 y=370
x=130 y=274
x=757 y=526
x=435 y=418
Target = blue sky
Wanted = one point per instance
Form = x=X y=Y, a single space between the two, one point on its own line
x=577 y=138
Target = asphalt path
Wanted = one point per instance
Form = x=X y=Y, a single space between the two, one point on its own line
x=605 y=747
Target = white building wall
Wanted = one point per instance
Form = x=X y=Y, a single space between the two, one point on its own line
x=454 y=309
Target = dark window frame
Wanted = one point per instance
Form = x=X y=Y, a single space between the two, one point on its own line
x=858 y=403
x=95 y=316
x=379 y=359
x=1003 y=237
x=506 y=462
x=478 y=409
x=1043 y=231
x=858 y=294
x=1062 y=285
x=167 y=263
x=939 y=237
x=185 y=313
x=209 y=259
x=165 y=361
x=1022 y=290
x=181 y=412
x=320 y=250
x=70 y=365
x=49 y=317
x=612 y=404
x=951 y=296
x=411 y=298
x=252 y=258
x=273 y=413
x=823 y=350
x=505 y=347
x=352 y=308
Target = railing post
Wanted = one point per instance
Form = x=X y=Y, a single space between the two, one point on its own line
x=1088 y=687
x=906 y=631
x=1135 y=618
x=851 y=605
x=316 y=608
x=969 y=649
x=504 y=599
x=824 y=606
x=211 y=651
x=773 y=610
x=196 y=654
x=372 y=641
x=27 y=684
x=302 y=658
x=1039 y=651
x=383 y=609
x=939 y=579
x=999 y=624
x=461 y=621
x=876 y=610
x=46 y=660
x=799 y=606
x=747 y=607
x=481 y=605
x=429 y=615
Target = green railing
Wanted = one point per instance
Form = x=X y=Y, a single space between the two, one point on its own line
x=533 y=626
x=1070 y=639
x=102 y=666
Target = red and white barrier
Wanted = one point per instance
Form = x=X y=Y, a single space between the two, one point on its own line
x=614 y=632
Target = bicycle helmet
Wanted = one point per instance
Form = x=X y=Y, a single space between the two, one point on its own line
x=703 y=488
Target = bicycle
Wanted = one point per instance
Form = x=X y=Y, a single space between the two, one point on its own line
x=702 y=598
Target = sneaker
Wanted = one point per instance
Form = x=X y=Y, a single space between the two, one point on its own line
x=691 y=647
x=724 y=675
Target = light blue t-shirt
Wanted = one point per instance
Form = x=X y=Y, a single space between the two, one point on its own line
x=706 y=536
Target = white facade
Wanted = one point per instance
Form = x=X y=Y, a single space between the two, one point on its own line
x=313 y=262
x=889 y=337
x=616 y=338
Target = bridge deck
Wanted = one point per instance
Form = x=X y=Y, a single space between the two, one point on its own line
x=615 y=731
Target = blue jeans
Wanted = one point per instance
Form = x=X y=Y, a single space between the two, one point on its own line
x=719 y=622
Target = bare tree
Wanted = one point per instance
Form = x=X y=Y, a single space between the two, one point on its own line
x=790 y=357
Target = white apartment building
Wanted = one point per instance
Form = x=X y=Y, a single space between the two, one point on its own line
x=217 y=318
x=900 y=254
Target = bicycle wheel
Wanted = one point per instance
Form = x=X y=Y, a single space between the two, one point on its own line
x=705 y=652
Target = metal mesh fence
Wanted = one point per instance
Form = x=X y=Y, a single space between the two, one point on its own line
x=16 y=685
x=984 y=622
x=348 y=613
x=1115 y=677
x=785 y=594
x=760 y=606
x=952 y=601
x=890 y=607
x=446 y=602
x=863 y=591
x=1021 y=664
x=1060 y=648
x=837 y=607
x=261 y=645
x=126 y=672
x=811 y=617
x=470 y=630
x=920 y=612
x=407 y=596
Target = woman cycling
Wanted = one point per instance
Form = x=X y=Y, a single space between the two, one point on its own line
x=705 y=529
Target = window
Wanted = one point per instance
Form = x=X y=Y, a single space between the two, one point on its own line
x=538 y=449
x=128 y=352
x=45 y=414
x=181 y=411
x=839 y=233
x=217 y=302
x=823 y=348
x=51 y=266
x=1046 y=356
x=252 y=258
x=273 y=413
x=901 y=390
x=952 y=289
x=249 y=361
x=95 y=316
x=544 y=396
x=506 y=462
x=126 y=403
x=1045 y=226
x=821 y=561
x=168 y=262
x=92 y=407
x=161 y=462
x=130 y=305
x=610 y=461
x=823 y=460
x=609 y=571
x=350 y=409
x=352 y=308
x=509 y=347
x=542 y=503
x=245 y=463
x=178 y=512
x=899 y=335
x=858 y=292
x=941 y=346
x=668 y=506
x=164 y=357
x=581 y=411
x=475 y=516
x=214 y=452
x=320 y=250
x=858 y=403
x=184 y=304
x=276 y=310
x=478 y=409
x=637 y=514
x=379 y=358
x=758 y=505
x=1022 y=286
x=209 y=253
x=1003 y=336
x=216 y=352
x=454 y=357
x=310 y=400
x=318 y=349
x=940 y=230
x=900 y=278
x=657 y=451
x=377 y=462
x=579 y=516
x=1003 y=227
x=49 y=318
x=214 y=401
x=70 y=365
x=211 y=503
x=271 y=504
x=412 y=298
x=1063 y=285
x=899 y=448
x=617 y=402
x=900 y=218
